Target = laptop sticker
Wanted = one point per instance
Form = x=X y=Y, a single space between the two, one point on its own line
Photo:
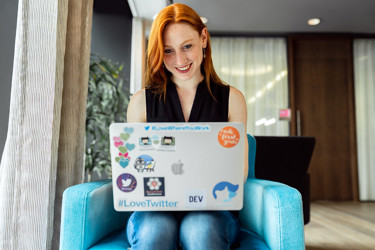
x=144 y=163
x=177 y=168
x=126 y=182
x=225 y=191
x=145 y=143
x=228 y=137
x=167 y=143
x=154 y=186
x=155 y=140
x=120 y=142
x=129 y=130
x=130 y=146
x=149 y=204
x=195 y=198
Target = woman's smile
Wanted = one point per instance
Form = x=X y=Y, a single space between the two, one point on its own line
x=184 y=69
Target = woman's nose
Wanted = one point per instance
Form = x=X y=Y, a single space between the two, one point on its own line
x=180 y=58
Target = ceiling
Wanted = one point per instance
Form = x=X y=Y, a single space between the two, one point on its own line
x=275 y=16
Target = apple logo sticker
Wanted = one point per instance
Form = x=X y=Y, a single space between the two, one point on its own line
x=177 y=168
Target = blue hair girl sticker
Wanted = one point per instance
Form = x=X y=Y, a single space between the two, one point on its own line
x=231 y=190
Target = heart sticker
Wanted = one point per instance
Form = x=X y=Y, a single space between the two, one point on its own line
x=123 y=149
x=128 y=130
x=117 y=138
x=124 y=163
x=118 y=143
x=125 y=137
x=130 y=146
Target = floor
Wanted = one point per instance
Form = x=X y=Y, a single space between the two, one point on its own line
x=341 y=225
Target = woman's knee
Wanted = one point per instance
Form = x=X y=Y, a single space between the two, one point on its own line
x=216 y=230
x=152 y=229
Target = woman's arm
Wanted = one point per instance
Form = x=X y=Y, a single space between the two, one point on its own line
x=238 y=113
x=137 y=107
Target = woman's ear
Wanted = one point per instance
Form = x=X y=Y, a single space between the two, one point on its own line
x=204 y=37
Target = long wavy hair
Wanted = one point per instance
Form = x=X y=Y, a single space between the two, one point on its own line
x=157 y=76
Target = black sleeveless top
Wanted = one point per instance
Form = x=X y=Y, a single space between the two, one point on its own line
x=204 y=109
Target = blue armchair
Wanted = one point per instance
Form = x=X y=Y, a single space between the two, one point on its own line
x=271 y=217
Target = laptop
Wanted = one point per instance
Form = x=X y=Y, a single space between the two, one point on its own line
x=177 y=166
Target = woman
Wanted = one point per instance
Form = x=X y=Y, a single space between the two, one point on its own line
x=182 y=86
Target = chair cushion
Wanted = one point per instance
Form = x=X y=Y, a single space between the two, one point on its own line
x=115 y=241
x=249 y=240
x=118 y=241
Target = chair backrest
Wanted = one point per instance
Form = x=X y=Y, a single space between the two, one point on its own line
x=252 y=151
x=279 y=156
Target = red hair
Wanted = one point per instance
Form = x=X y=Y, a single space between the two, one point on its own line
x=157 y=77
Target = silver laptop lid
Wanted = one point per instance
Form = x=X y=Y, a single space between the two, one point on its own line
x=177 y=166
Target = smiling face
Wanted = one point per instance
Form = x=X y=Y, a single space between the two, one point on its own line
x=183 y=52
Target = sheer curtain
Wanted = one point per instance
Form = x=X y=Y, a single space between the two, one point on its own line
x=43 y=153
x=364 y=79
x=258 y=68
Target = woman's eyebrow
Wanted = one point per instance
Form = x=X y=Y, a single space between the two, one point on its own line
x=188 y=40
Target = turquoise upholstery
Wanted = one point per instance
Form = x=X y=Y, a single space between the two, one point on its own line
x=271 y=217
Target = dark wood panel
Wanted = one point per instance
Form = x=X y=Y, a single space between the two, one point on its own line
x=321 y=89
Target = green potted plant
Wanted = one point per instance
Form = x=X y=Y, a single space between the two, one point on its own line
x=107 y=102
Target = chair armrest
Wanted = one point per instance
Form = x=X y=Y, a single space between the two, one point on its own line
x=273 y=211
x=88 y=215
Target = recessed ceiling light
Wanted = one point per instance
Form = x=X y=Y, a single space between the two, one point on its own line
x=313 y=21
x=204 y=19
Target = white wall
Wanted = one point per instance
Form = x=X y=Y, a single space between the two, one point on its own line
x=8 y=23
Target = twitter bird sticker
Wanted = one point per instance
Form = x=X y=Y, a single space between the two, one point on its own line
x=126 y=182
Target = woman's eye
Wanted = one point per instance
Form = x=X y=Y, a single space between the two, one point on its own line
x=187 y=46
x=167 y=51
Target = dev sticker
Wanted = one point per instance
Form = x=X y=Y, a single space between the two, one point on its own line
x=126 y=182
x=228 y=137
x=195 y=198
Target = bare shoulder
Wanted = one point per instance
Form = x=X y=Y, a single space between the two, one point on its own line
x=237 y=106
x=137 y=107
x=235 y=94
x=138 y=96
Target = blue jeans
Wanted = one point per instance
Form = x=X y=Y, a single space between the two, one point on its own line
x=190 y=230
